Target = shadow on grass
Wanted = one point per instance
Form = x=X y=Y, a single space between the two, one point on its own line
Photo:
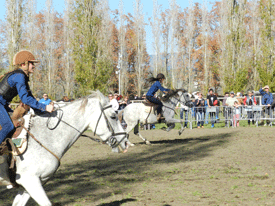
x=119 y=202
x=94 y=180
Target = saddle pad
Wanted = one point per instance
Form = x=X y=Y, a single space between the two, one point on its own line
x=18 y=142
x=21 y=141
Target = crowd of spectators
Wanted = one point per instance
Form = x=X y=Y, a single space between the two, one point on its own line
x=233 y=106
x=207 y=109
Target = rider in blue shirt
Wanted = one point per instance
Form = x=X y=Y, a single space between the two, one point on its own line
x=154 y=88
x=16 y=83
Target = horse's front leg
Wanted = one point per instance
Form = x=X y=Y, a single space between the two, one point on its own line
x=33 y=186
x=175 y=121
x=21 y=198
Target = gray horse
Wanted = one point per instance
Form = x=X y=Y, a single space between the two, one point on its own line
x=137 y=113
x=57 y=132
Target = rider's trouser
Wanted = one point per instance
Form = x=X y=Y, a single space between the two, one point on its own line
x=6 y=125
x=155 y=101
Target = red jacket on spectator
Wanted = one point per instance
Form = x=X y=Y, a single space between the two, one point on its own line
x=245 y=99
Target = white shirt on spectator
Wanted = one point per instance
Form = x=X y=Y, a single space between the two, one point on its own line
x=114 y=104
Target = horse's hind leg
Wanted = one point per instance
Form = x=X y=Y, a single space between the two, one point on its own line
x=21 y=198
x=34 y=188
x=136 y=132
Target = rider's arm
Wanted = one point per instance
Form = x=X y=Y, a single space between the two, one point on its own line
x=161 y=88
x=19 y=81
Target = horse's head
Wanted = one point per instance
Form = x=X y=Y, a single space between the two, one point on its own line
x=185 y=98
x=106 y=125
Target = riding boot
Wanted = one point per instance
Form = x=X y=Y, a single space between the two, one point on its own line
x=159 y=117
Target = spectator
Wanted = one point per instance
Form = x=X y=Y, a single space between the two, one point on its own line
x=240 y=98
x=113 y=101
x=183 y=109
x=237 y=112
x=136 y=97
x=210 y=102
x=45 y=100
x=217 y=104
x=267 y=100
x=231 y=100
x=250 y=100
x=230 y=103
x=242 y=94
x=200 y=109
x=225 y=114
x=124 y=103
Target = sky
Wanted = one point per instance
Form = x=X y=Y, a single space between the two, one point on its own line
x=114 y=4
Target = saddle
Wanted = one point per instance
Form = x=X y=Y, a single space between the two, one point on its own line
x=147 y=103
x=17 y=144
x=151 y=108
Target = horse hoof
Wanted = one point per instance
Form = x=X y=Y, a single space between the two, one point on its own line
x=180 y=132
x=147 y=142
x=132 y=145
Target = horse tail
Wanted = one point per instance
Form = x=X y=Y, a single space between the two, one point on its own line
x=120 y=115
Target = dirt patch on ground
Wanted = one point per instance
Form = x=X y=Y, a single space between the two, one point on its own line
x=200 y=167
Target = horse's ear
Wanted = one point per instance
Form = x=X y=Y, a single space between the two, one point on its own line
x=103 y=99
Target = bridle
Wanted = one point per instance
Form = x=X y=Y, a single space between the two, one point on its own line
x=112 y=139
x=178 y=99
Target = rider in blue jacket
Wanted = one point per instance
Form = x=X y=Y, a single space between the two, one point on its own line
x=154 y=88
x=16 y=83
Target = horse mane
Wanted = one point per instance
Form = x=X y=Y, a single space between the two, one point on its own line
x=171 y=93
x=94 y=94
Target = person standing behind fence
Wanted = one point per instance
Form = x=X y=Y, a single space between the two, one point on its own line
x=200 y=110
x=236 y=116
x=225 y=114
x=267 y=100
x=210 y=102
x=113 y=101
x=183 y=109
x=250 y=100
x=230 y=104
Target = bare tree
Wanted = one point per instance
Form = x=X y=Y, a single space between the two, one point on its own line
x=122 y=56
x=14 y=26
x=156 y=24
x=68 y=62
x=140 y=46
x=174 y=10
x=190 y=43
x=206 y=35
x=49 y=42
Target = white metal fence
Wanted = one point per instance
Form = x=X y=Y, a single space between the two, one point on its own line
x=229 y=115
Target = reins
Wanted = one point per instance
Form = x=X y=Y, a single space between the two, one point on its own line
x=41 y=143
x=177 y=102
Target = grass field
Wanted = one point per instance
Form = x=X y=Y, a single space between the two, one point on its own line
x=220 y=166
